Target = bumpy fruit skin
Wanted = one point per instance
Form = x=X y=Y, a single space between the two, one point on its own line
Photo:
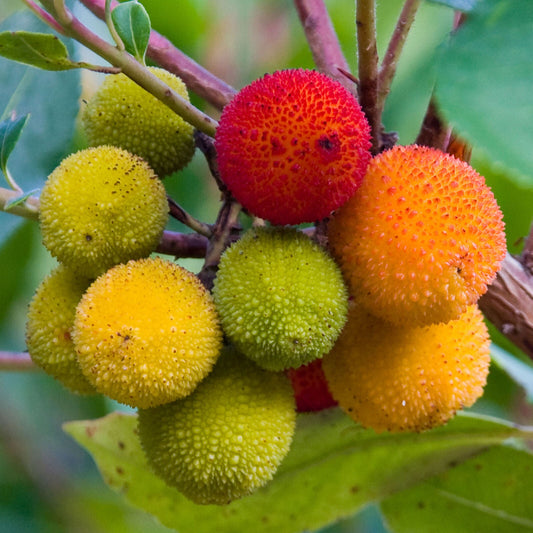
x=421 y=239
x=123 y=114
x=100 y=207
x=310 y=387
x=393 y=378
x=226 y=439
x=280 y=297
x=293 y=146
x=146 y=333
x=49 y=327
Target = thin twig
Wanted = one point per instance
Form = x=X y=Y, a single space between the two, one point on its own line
x=394 y=50
x=160 y=50
x=132 y=68
x=16 y=361
x=183 y=244
x=29 y=208
x=44 y=16
x=180 y=214
x=368 y=67
x=323 y=41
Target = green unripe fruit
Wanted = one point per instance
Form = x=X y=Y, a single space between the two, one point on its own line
x=100 y=207
x=122 y=113
x=49 y=326
x=227 y=438
x=280 y=297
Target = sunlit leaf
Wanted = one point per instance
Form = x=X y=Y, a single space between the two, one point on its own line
x=334 y=468
x=490 y=493
x=42 y=50
x=133 y=26
x=484 y=80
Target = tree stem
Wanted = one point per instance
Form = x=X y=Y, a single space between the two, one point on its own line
x=368 y=67
x=16 y=361
x=323 y=41
x=394 y=50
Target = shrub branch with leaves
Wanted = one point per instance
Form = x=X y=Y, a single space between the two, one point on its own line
x=146 y=332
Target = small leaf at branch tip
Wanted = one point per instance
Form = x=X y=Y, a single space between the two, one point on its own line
x=133 y=26
x=19 y=199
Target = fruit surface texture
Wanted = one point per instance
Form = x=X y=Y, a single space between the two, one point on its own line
x=421 y=239
x=393 y=378
x=228 y=437
x=123 y=114
x=281 y=297
x=146 y=333
x=49 y=328
x=100 y=207
x=293 y=146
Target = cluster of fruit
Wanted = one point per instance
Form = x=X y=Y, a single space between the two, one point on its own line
x=414 y=240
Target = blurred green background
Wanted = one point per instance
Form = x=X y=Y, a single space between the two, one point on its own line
x=48 y=483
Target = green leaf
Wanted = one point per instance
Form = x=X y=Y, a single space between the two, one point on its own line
x=42 y=50
x=132 y=23
x=517 y=370
x=461 y=5
x=334 y=468
x=19 y=199
x=484 y=80
x=490 y=493
x=52 y=99
x=10 y=131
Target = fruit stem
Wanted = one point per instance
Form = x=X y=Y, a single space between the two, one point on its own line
x=73 y=28
x=29 y=208
x=182 y=244
x=323 y=41
x=226 y=224
x=368 y=67
x=394 y=50
x=111 y=26
x=160 y=50
x=180 y=214
x=14 y=361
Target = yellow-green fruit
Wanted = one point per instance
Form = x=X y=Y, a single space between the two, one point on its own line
x=122 y=113
x=49 y=327
x=398 y=378
x=281 y=298
x=100 y=207
x=227 y=438
x=146 y=333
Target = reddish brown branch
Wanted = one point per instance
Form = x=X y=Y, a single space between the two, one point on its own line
x=508 y=303
x=164 y=53
x=16 y=361
x=323 y=41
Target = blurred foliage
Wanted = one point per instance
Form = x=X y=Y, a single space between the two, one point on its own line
x=48 y=483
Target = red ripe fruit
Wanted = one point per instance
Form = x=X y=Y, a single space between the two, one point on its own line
x=310 y=387
x=293 y=146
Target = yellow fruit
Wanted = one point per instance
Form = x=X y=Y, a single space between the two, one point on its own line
x=421 y=239
x=227 y=438
x=122 y=113
x=396 y=378
x=100 y=207
x=146 y=333
x=49 y=327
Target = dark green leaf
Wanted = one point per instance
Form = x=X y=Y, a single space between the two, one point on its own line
x=461 y=5
x=41 y=50
x=517 y=370
x=490 y=493
x=10 y=130
x=133 y=26
x=334 y=468
x=484 y=80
